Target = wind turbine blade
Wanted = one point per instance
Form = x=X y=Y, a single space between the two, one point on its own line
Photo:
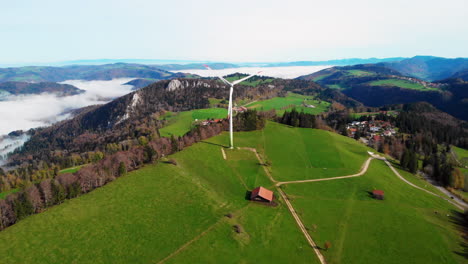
x=220 y=77
x=243 y=79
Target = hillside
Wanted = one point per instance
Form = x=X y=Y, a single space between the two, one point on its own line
x=377 y=85
x=188 y=212
x=428 y=68
x=17 y=88
x=85 y=72
x=138 y=114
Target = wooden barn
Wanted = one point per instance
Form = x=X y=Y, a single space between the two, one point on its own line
x=378 y=194
x=261 y=194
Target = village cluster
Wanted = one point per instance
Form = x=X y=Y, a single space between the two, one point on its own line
x=370 y=131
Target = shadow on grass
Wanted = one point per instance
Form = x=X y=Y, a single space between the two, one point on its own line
x=214 y=144
x=247 y=195
x=461 y=222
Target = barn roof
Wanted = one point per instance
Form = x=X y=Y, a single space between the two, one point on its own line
x=378 y=192
x=263 y=193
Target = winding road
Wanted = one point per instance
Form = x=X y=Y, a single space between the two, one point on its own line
x=362 y=171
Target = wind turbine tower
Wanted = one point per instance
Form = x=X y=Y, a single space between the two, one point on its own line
x=231 y=90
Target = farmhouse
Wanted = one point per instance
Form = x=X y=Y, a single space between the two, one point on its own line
x=239 y=109
x=262 y=195
x=378 y=194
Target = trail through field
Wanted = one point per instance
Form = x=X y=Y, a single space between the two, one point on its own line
x=459 y=204
x=362 y=171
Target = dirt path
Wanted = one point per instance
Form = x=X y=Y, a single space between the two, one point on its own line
x=224 y=153
x=363 y=170
x=291 y=209
x=460 y=206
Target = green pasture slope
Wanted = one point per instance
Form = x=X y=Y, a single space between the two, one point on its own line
x=151 y=213
x=250 y=82
x=282 y=104
x=402 y=84
x=461 y=155
x=409 y=226
x=180 y=123
x=299 y=154
x=177 y=213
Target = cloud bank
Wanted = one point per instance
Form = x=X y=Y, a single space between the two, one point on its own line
x=29 y=111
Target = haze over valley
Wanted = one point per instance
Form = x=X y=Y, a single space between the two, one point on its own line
x=254 y=132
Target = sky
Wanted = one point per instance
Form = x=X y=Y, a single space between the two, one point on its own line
x=234 y=31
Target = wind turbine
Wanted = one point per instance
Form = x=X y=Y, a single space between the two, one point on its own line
x=231 y=90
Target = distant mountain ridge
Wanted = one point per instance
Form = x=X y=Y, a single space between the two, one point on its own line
x=339 y=62
x=88 y=72
x=428 y=68
x=17 y=88
x=378 y=85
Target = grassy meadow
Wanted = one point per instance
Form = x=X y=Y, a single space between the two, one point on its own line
x=151 y=213
x=166 y=213
x=298 y=153
x=250 y=82
x=282 y=104
x=402 y=84
x=180 y=123
x=408 y=226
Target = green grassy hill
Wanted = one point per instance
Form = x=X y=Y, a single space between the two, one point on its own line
x=180 y=123
x=166 y=213
x=403 y=228
x=282 y=104
x=402 y=84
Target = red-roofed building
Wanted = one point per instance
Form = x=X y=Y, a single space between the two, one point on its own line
x=261 y=194
x=378 y=194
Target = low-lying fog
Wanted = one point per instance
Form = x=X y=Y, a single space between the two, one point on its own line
x=278 y=72
x=23 y=112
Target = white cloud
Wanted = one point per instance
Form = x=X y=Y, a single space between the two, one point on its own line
x=29 y=111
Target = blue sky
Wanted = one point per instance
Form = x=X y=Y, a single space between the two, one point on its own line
x=248 y=31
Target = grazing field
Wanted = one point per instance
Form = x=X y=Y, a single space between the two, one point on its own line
x=402 y=84
x=189 y=212
x=360 y=73
x=358 y=115
x=180 y=123
x=461 y=155
x=282 y=104
x=408 y=226
x=336 y=86
x=151 y=213
x=250 y=82
x=298 y=153
x=321 y=77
